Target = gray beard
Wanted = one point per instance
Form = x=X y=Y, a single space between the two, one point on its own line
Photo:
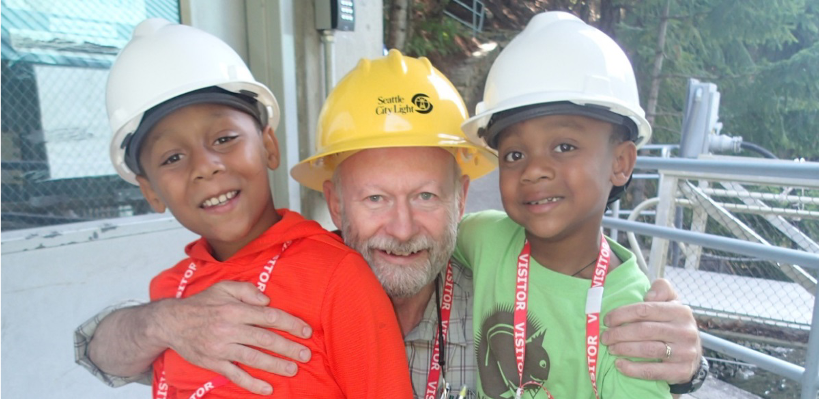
x=403 y=281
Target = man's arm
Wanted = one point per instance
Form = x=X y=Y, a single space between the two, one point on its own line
x=643 y=330
x=83 y=336
x=212 y=329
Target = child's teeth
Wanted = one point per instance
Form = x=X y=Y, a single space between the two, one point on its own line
x=219 y=200
x=544 y=201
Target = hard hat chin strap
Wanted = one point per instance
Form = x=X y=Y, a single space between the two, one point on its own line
x=617 y=192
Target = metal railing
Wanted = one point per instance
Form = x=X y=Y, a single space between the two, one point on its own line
x=753 y=171
x=806 y=376
x=476 y=13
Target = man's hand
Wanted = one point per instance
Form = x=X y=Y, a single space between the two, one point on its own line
x=213 y=329
x=643 y=330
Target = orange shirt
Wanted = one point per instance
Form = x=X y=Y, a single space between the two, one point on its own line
x=357 y=348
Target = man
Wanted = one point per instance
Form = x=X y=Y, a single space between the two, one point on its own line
x=395 y=169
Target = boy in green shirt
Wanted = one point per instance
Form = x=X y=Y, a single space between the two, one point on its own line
x=561 y=108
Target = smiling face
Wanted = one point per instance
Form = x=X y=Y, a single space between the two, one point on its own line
x=556 y=172
x=399 y=208
x=208 y=164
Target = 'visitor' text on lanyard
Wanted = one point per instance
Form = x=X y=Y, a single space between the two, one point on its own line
x=444 y=326
x=593 y=310
x=261 y=284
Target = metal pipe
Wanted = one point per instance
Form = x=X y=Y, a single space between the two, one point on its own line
x=718 y=360
x=660 y=146
x=645 y=176
x=330 y=60
x=762 y=196
x=773 y=253
x=801 y=170
x=643 y=213
x=810 y=376
x=757 y=210
x=476 y=11
x=762 y=360
x=633 y=242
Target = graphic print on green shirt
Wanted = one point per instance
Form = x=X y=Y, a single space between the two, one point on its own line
x=497 y=368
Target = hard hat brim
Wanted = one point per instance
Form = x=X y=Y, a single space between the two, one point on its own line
x=503 y=120
x=471 y=126
x=474 y=161
x=260 y=92
x=211 y=95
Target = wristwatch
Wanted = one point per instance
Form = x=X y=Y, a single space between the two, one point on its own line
x=695 y=383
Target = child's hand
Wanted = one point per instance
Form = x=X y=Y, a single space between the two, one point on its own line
x=643 y=330
x=220 y=326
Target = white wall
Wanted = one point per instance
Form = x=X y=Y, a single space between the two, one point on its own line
x=48 y=292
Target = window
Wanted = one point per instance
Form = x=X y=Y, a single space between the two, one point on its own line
x=55 y=132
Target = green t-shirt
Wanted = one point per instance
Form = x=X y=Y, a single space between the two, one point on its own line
x=490 y=243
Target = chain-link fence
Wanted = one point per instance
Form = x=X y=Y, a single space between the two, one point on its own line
x=55 y=134
x=736 y=287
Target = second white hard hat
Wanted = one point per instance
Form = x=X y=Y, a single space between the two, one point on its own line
x=561 y=61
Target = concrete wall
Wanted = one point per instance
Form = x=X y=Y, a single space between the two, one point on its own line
x=222 y=18
x=55 y=278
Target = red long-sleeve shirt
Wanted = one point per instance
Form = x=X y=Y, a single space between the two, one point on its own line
x=357 y=348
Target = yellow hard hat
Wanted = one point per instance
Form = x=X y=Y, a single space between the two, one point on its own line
x=394 y=101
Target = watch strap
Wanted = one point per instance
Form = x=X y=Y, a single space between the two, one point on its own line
x=695 y=383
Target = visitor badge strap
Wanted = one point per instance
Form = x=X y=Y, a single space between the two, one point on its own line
x=592 y=312
x=218 y=381
x=434 y=375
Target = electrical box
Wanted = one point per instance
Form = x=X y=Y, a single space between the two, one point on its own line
x=335 y=15
x=700 y=118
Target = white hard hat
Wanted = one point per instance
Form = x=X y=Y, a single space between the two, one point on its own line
x=163 y=61
x=559 y=65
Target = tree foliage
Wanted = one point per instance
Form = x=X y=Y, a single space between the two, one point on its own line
x=762 y=54
x=420 y=28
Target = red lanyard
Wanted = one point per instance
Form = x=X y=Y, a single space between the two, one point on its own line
x=261 y=284
x=593 y=309
x=446 y=307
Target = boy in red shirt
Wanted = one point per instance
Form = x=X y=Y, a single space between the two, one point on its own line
x=195 y=132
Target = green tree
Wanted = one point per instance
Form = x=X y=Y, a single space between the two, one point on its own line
x=762 y=54
x=421 y=29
